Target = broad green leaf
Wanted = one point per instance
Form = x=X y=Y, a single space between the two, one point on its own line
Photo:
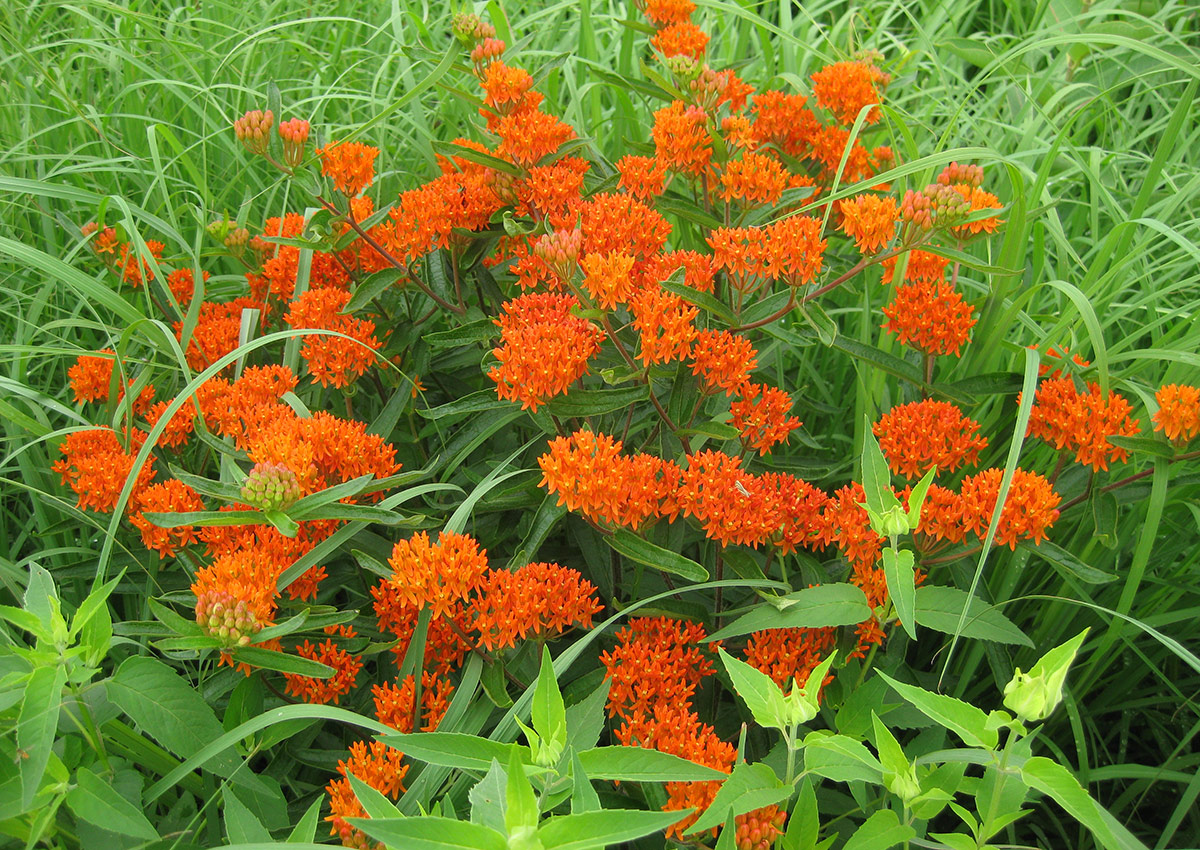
x=876 y=477
x=41 y=597
x=1066 y=563
x=579 y=403
x=371 y=287
x=430 y=833
x=901 y=585
x=487 y=798
x=961 y=718
x=840 y=758
x=477 y=402
x=242 y=826
x=305 y=830
x=375 y=804
x=453 y=749
x=644 y=552
x=825 y=327
x=586 y=719
x=94 y=601
x=520 y=803
x=879 y=832
x=1058 y=783
x=592 y=830
x=583 y=796
x=36 y=723
x=167 y=708
x=939 y=607
x=804 y=825
x=1145 y=446
x=639 y=764
x=834 y=604
x=97 y=802
x=759 y=691
x=548 y=712
x=749 y=787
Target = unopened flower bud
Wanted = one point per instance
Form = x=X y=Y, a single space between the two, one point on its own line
x=294 y=135
x=236 y=241
x=486 y=52
x=254 y=130
x=271 y=487
x=469 y=28
x=1033 y=696
x=559 y=250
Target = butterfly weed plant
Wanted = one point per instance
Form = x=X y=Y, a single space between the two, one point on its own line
x=642 y=488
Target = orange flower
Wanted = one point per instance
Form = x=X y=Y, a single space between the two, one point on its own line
x=527 y=135
x=921 y=266
x=1082 y=422
x=608 y=278
x=394 y=702
x=217 y=331
x=544 y=348
x=847 y=525
x=941 y=515
x=1178 y=412
x=505 y=86
x=553 y=191
x=656 y=664
x=784 y=120
x=91 y=377
x=665 y=324
x=761 y=415
x=931 y=317
x=351 y=165
x=870 y=220
x=96 y=466
x=445 y=648
x=182 y=285
x=698 y=270
x=379 y=766
x=133 y=268
x=325 y=691
x=844 y=88
x=794 y=507
x=333 y=360
x=730 y=504
x=181 y=426
x=614 y=222
x=790 y=249
x=723 y=361
x=681 y=140
x=787 y=655
x=1031 y=507
x=753 y=179
x=681 y=39
x=667 y=12
x=978 y=200
x=243 y=583
x=170 y=496
x=436 y=575
x=641 y=176
x=539 y=599
x=923 y=434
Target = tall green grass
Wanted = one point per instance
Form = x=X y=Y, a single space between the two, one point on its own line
x=1085 y=121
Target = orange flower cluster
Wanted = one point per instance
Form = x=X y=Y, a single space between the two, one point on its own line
x=870 y=220
x=644 y=177
x=845 y=88
x=1178 y=414
x=394 y=702
x=1031 y=507
x=753 y=179
x=681 y=39
x=539 y=599
x=347 y=667
x=95 y=465
x=1082 y=421
x=788 y=655
x=789 y=249
x=921 y=266
x=931 y=317
x=544 y=348
x=91 y=377
x=666 y=325
x=723 y=361
x=681 y=140
x=217 y=332
x=591 y=476
x=332 y=360
x=437 y=576
x=923 y=434
x=182 y=284
x=608 y=278
x=170 y=496
x=351 y=165
x=379 y=766
x=656 y=663
x=761 y=415
x=505 y=87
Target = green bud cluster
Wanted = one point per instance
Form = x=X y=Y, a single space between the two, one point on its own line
x=271 y=487
x=229 y=620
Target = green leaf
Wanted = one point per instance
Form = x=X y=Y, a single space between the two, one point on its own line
x=702 y=300
x=834 y=604
x=825 y=327
x=477 y=402
x=580 y=403
x=1145 y=446
x=585 y=719
x=804 y=825
x=453 y=749
x=26 y=620
x=487 y=798
x=583 y=796
x=174 y=621
x=283 y=523
x=1058 y=783
x=306 y=828
x=638 y=764
x=241 y=824
x=961 y=718
x=430 y=833
x=548 y=712
x=371 y=287
x=902 y=587
x=269 y=659
x=876 y=477
x=97 y=802
x=589 y=830
x=1104 y=518
x=916 y=499
x=749 y=787
x=939 y=607
x=92 y=604
x=375 y=804
x=840 y=758
x=167 y=708
x=36 y=724
x=879 y=832
x=644 y=552
x=520 y=803
x=759 y=691
x=1063 y=561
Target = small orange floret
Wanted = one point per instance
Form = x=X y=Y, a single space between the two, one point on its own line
x=1030 y=509
x=681 y=140
x=870 y=220
x=642 y=176
x=656 y=663
x=923 y=434
x=921 y=266
x=436 y=575
x=666 y=325
x=753 y=179
x=95 y=465
x=762 y=416
x=978 y=200
x=170 y=496
x=325 y=691
x=1178 y=414
x=1082 y=422
x=333 y=360
x=608 y=278
x=723 y=360
x=537 y=600
x=666 y=12
x=844 y=88
x=680 y=39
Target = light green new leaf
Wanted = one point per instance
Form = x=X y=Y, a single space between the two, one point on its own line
x=840 y=758
x=902 y=587
x=97 y=802
x=594 y=830
x=1058 y=783
x=453 y=749
x=638 y=764
x=520 y=803
x=375 y=804
x=430 y=833
x=961 y=718
x=762 y=696
x=749 y=787
x=939 y=607
x=834 y=604
x=548 y=713
x=879 y=832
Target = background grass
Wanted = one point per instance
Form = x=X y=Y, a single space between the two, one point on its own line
x=1084 y=119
